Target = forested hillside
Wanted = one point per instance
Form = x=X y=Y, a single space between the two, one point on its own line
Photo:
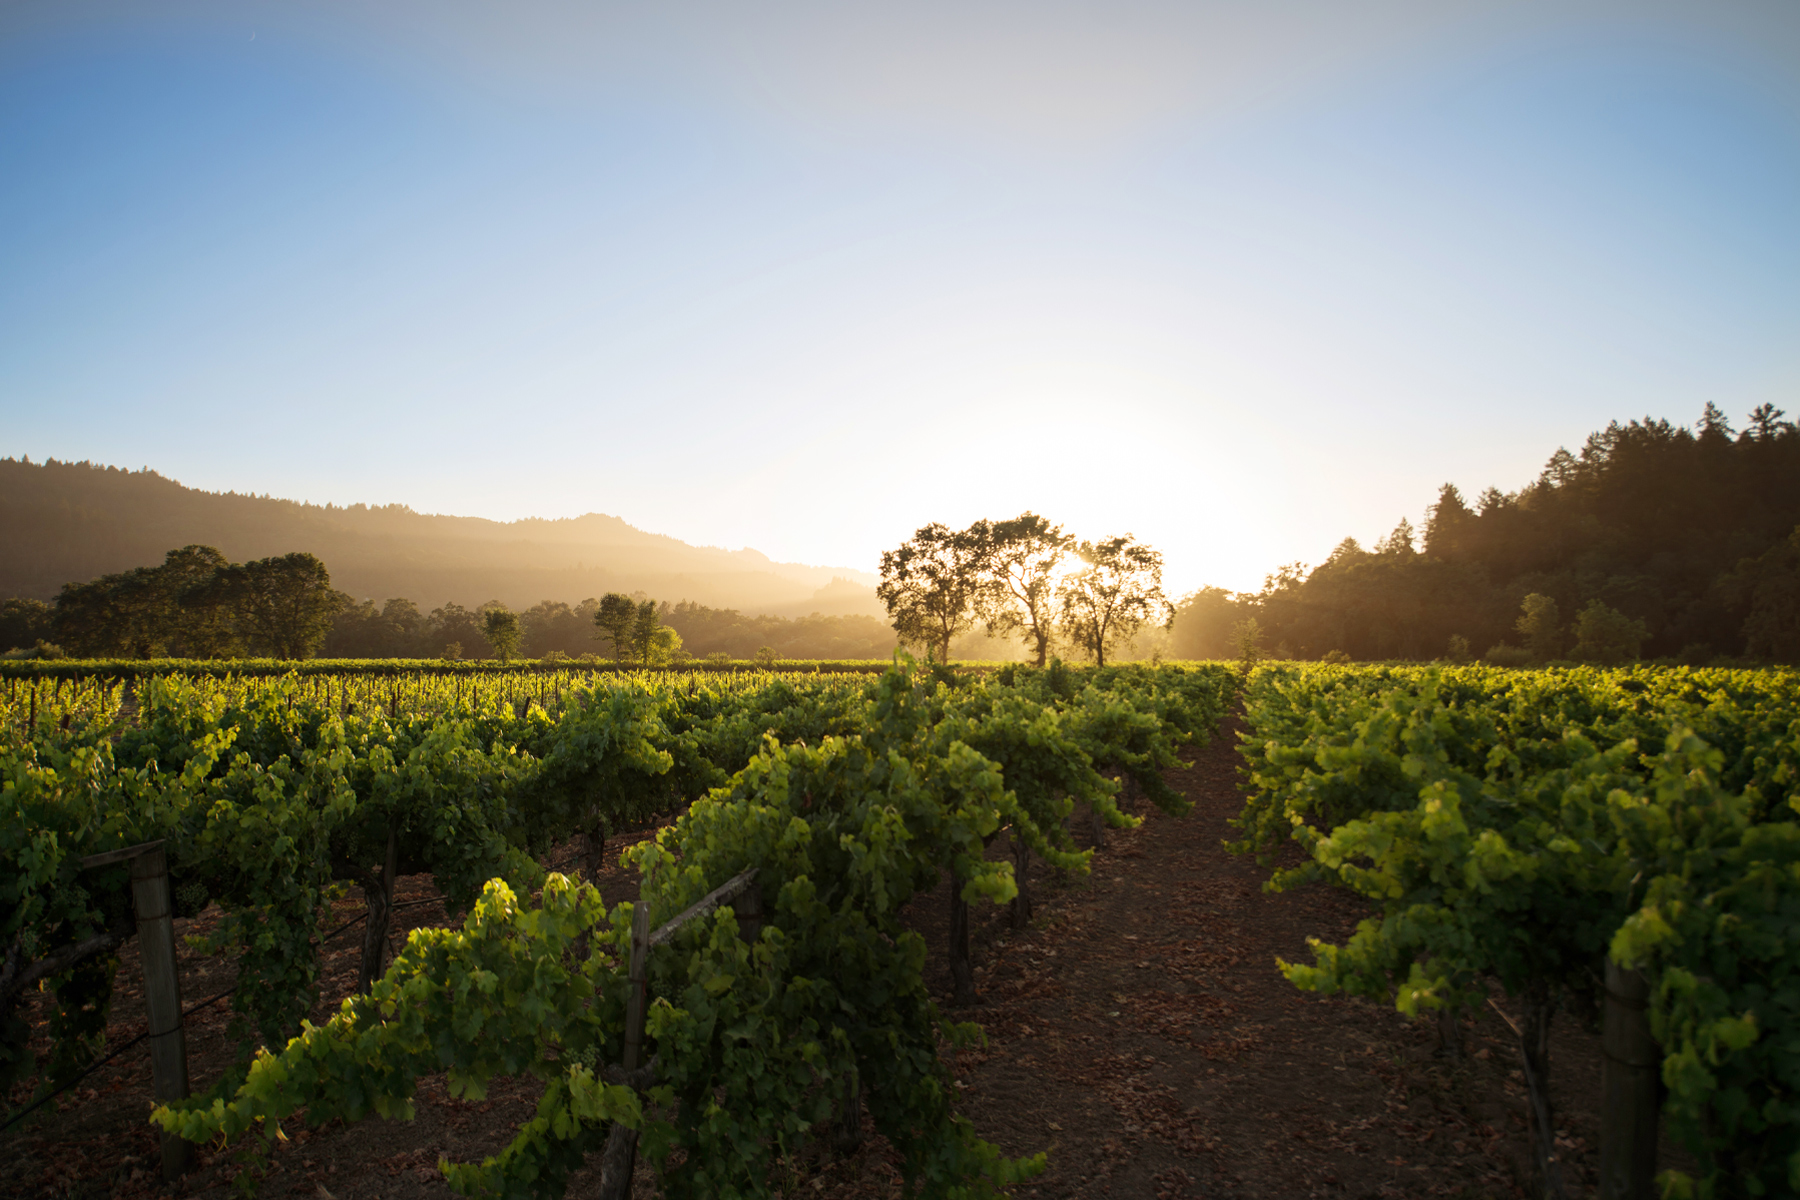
x=1693 y=533
x=70 y=522
x=1683 y=543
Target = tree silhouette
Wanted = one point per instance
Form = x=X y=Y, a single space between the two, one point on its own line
x=1117 y=594
x=1682 y=529
x=284 y=605
x=930 y=584
x=1020 y=559
x=1605 y=635
x=617 y=619
x=1539 y=624
x=501 y=628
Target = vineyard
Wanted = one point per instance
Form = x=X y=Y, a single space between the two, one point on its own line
x=1515 y=856
x=1585 y=839
x=800 y=1003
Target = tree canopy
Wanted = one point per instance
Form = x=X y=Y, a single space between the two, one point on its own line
x=500 y=625
x=198 y=605
x=931 y=583
x=1010 y=576
x=1690 y=533
x=1118 y=592
x=617 y=617
x=283 y=606
x=1019 y=563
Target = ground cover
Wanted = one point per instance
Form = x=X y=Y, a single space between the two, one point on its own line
x=1138 y=1032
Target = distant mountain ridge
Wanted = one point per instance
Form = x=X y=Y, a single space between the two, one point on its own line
x=65 y=522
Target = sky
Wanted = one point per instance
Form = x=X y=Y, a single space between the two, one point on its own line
x=1239 y=279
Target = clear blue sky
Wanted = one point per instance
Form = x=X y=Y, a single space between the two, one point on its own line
x=1240 y=279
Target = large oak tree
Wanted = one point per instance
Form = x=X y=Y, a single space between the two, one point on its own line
x=930 y=585
x=1019 y=562
x=1117 y=594
x=284 y=605
x=617 y=619
x=182 y=607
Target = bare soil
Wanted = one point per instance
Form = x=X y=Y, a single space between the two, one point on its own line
x=1138 y=1031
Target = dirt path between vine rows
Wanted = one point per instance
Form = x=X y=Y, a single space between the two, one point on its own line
x=1138 y=1032
x=1142 y=1035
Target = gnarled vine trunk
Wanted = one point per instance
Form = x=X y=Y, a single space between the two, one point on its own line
x=379 y=891
x=1534 y=1048
x=1020 y=908
x=962 y=972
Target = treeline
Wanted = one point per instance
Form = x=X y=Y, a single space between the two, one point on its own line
x=199 y=605
x=195 y=605
x=1654 y=541
x=399 y=629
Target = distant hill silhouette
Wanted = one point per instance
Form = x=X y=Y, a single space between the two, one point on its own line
x=66 y=522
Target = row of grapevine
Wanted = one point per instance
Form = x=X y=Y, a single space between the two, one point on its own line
x=269 y=791
x=1523 y=827
x=848 y=795
x=71 y=669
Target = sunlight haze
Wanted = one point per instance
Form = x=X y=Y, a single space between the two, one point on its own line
x=1241 y=280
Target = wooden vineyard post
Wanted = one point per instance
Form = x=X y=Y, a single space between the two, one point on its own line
x=750 y=912
x=1534 y=1056
x=162 y=984
x=1630 y=1074
x=619 y=1157
x=639 y=977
